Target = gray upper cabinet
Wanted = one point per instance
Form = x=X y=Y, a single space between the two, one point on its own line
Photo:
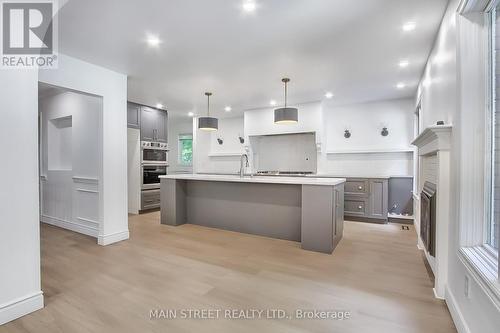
x=153 y=125
x=161 y=126
x=148 y=117
x=133 y=115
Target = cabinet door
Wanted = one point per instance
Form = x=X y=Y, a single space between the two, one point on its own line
x=378 y=199
x=148 y=129
x=161 y=126
x=133 y=115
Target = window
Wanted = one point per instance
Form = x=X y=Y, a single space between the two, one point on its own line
x=186 y=149
x=492 y=223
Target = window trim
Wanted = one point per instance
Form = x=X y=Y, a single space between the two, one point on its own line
x=479 y=258
x=179 y=148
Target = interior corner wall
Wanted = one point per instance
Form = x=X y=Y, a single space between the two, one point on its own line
x=445 y=95
x=20 y=288
x=81 y=76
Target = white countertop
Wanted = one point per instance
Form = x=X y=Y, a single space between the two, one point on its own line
x=259 y=179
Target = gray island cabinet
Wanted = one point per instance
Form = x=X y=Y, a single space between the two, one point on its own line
x=301 y=209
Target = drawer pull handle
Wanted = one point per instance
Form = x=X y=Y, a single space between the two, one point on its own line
x=360 y=207
x=360 y=188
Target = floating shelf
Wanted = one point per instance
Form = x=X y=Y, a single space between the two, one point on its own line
x=231 y=154
x=371 y=151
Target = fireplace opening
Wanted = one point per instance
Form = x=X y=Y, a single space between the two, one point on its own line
x=428 y=217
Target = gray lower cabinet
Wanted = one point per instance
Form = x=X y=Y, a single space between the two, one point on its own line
x=322 y=217
x=154 y=124
x=150 y=199
x=133 y=115
x=366 y=199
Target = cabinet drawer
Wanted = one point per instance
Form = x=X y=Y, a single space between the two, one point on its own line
x=150 y=199
x=355 y=207
x=357 y=186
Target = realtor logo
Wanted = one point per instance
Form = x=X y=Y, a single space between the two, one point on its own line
x=28 y=34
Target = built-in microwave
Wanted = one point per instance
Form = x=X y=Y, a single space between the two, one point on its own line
x=151 y=175
x=154 y=152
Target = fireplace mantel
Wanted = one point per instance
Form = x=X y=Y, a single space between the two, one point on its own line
x=433 y=139
x=435 y=142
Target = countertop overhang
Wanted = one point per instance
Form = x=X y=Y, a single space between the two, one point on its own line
x=259 y=179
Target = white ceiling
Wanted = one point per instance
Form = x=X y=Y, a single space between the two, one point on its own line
x=351 y=48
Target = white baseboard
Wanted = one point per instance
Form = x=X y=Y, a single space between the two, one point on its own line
x=20 y=307
x=76 y=227
x=455 y=312
x=113 y=238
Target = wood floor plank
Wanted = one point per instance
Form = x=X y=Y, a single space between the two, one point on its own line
x=376 y=273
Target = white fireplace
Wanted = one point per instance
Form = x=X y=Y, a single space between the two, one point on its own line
x=433 y=151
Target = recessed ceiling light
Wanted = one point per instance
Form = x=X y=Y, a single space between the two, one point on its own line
x=190 y=114
x=249 y=6
x=228 y=109
x=329 y=95
x=401 y=85
x=159 y=106
x=273 y=102
x=153 y=40
x=409 y=26
x=404 y=63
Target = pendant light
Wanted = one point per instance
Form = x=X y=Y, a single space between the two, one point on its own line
x=286 y=115
x=208 y=123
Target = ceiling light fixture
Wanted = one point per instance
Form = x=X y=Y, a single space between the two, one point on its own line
x=159 y=106
x=404 y=63
x=249 y=6
x=286 y=115
x=272 y=102
x=190 y=114
x=228 y=109
x=153 y=41
x=401 y=85
x=329 y=95
x=409 y=26
x=208 y=123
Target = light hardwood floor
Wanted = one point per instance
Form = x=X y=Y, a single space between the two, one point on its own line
x=376 y=273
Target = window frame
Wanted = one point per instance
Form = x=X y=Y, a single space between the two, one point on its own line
x=490 y=130
x=481 y=259
x=180 y=138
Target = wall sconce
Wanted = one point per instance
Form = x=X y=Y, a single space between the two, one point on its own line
x=220 y=140
x=347 y=134
x=385 y=132
x=242 y=139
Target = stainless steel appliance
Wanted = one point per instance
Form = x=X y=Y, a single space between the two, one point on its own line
x=150 y=175
x=150 y=185
x=154 y=152
x=154 y=163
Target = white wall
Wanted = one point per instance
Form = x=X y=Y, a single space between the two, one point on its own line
x=176 y=127
x=365 y=122
x=69 y=185
x=20 y=289
x=449 y=92
x=112 y=86
x=210 y=157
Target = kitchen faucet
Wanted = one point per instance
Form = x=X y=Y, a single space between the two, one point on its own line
x=243 y=164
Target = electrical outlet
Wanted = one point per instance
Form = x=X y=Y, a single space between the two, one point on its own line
x=467 y=287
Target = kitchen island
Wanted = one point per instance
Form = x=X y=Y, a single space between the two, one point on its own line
x=302 y=209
